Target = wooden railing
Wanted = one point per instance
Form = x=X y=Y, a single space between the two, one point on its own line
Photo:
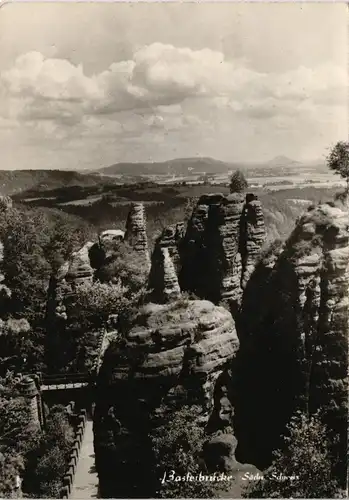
x=65 y=378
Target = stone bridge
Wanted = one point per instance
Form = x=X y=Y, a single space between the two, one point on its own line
x=65 y=381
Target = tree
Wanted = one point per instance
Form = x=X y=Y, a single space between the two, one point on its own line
x=338 y=160
x=15 y=433
x=238 y=183
x=46 y=459
x=177 y=446
x=302 y=469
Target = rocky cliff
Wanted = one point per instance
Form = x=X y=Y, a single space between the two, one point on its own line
x=76 y=271
x=293 y=330
x=163 y=281
x=182 y=345
x=136 y=234
x=223 y=240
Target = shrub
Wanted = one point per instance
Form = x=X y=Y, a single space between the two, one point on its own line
x=47 y=457
x=177 y=446
x=305 y=456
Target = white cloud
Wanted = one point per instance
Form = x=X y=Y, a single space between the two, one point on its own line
x=158 y=74
x=170 y=99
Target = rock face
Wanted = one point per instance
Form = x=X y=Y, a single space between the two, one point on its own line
x=297 y=337
x=77 y=270
x=57 y=290
x=182 y=344
x=80 y=270
x=30 y=392
x=187 y=339
x=222 y=243
x=193 y=275
x=163 y=278
x=252 y=236
x=171 y=238
x=219 y=453
x=136 y=234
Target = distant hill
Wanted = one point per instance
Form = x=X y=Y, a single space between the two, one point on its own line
x=282 y=161
x=16 y=181
x=177 y=167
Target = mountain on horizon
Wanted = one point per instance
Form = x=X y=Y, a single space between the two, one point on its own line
x=177 y=167
x=281 y=161
x=195 y=165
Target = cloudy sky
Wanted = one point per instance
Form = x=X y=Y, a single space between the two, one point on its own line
x=86 y=85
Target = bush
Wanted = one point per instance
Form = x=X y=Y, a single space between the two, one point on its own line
x=47 y=458
x=126 y=268
x=177 y=446
x=15 y=434
x=305 y=456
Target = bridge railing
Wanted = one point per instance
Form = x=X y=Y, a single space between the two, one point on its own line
x=62 y=378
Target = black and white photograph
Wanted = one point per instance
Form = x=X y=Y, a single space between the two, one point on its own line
x=174 y=249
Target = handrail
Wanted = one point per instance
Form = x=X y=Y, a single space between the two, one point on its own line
x=65 y=378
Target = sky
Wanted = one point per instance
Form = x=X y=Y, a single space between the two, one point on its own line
x=87 y=85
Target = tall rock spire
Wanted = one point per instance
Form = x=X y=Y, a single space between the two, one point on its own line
x=136 y=235
x=252 y=236
x=163 y=278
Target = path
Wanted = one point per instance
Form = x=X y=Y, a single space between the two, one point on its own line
x=85 y=484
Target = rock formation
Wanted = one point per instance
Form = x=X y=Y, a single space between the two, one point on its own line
x=77 y=270
x=80 y=270
x=29 y=391
x=185 y=344
x=136 y=235
x=166 y=264
x=163 y=281
x=252 y=236
x=171 y=238
x=223 y=241
x=294 y=332
x=223 y=249
x=193 y=274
